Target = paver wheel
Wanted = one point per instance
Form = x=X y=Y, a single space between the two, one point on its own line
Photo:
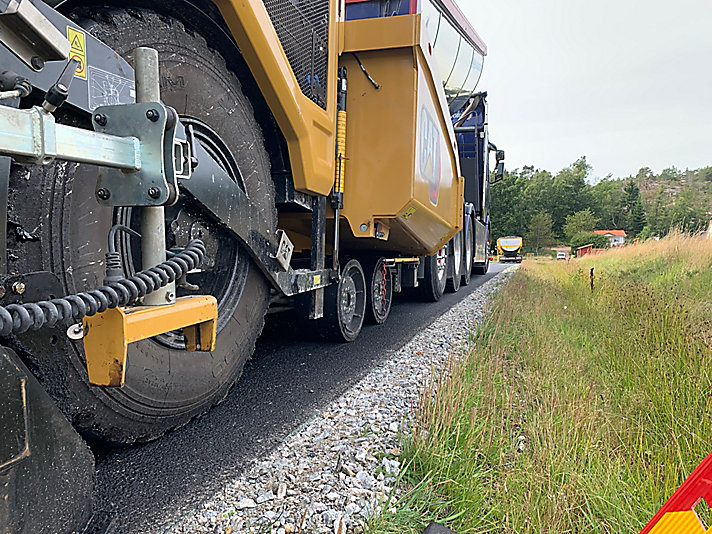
x=165 y=385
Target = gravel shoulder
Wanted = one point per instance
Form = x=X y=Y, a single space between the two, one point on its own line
x=334 y=471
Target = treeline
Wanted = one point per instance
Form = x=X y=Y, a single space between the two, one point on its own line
x=565 y=208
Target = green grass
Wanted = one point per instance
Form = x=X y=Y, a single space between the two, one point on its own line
x=574 y=410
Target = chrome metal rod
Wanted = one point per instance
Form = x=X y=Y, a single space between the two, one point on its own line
x=153 y=223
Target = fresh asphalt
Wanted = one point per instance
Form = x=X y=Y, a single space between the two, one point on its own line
x=287 y=380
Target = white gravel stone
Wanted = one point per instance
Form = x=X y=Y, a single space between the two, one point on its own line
x=336 y=470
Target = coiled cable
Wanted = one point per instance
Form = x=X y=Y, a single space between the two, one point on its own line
x=19 y=318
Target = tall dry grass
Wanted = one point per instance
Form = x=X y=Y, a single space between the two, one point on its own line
x=574 y=410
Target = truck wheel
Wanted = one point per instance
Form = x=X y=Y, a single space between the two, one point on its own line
x=468 y=256
x=379 y=282
x=345 y=305
x=165 y=385
x=454 y=264
x=433 y=285
x=482 y=268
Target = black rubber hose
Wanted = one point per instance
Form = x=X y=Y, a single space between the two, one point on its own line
x=19 y=318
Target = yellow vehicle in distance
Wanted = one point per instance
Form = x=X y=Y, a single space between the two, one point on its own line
x=510 y=249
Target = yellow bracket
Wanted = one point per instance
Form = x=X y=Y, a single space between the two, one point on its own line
x=107 y=334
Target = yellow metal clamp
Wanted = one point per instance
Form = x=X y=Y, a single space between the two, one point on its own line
x=107 y=334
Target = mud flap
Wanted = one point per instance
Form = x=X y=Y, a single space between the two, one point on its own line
x=46 y=469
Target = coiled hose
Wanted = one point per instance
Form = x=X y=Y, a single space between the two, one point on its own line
x=19 y=318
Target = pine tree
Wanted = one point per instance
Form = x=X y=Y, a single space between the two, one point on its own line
x=636 y=219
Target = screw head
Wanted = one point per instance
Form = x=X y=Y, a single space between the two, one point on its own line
x=19 y=287
x=152 y=115
x=37 y=62
x=153 y=192
x=170 y=296
x=364 y=227
x=100 y=119
x=103 y=194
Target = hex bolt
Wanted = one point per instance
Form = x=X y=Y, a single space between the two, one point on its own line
x=37 y=62
x=103 y=194
x=100 y=119
x=153 y=192
x=19 y=287
x=152 y=115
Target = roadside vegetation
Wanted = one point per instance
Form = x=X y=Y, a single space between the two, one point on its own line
x=565 y=207
x=574 y=410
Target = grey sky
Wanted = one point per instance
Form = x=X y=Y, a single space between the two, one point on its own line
x=626 y=83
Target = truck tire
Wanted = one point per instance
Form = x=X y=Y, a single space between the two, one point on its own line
x=468 y=252
x=165 y=385
x=454 y=264
x=380 y=291
x=433 y=285
x=344 y=305
x=483 y=267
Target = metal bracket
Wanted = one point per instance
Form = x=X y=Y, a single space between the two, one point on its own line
x=284 y=250
x=107 y=334
x=153 y=182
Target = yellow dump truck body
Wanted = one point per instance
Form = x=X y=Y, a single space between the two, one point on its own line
x=403 y=190
x=403 y=172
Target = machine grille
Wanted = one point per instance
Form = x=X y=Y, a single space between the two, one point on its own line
x=303 y=29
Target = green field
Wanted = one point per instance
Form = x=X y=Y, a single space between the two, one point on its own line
x=573 y=410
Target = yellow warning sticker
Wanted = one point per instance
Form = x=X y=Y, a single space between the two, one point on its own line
x=407 y=214
x=317 y=279
x=78 y=40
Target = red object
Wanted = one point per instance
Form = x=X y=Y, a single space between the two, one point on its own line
x=697 y=486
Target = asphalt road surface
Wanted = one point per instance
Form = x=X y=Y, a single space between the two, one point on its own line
x=287 y=379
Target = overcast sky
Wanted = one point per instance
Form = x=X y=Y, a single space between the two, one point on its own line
x=626 y=83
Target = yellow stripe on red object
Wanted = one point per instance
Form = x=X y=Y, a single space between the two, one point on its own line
x=679 y=523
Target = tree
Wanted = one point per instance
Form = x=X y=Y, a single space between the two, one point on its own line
x=630 y=200
x=646 y=233
x=570 y=192
x=636 y=219
x=540 y=232
x=581 y=221
x=608 y=202
x=507 y=213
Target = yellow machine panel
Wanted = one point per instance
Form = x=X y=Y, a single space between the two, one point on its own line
x=309 y=130
x=403 y=180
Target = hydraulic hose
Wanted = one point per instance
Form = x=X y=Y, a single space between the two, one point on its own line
x=19 y=318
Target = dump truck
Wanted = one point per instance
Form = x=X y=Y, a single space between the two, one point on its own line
x=170 y=171
x=510 y=249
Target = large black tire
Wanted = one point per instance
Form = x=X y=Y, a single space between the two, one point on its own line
x=468 y=253
x=344 y=305
x=379 y=286
x=454 y=264
x=165 y=386
x=433 y=284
